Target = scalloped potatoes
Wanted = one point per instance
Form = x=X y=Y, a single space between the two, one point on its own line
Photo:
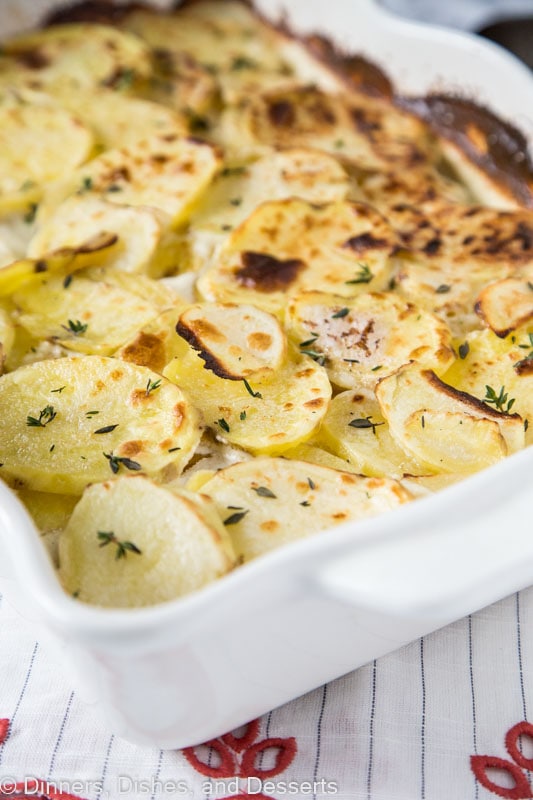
x=240 y=291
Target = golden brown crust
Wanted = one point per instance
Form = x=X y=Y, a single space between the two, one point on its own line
x=492 y=144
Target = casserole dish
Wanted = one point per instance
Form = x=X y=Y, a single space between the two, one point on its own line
x=178 y=674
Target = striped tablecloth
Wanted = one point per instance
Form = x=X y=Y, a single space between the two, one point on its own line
x=444 y=718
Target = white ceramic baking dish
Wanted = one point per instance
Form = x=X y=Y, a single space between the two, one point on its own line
x=181 y=673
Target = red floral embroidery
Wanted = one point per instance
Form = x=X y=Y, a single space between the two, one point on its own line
x=522 y=788
x=4 y=730
x=238 y=757
x=38 y=790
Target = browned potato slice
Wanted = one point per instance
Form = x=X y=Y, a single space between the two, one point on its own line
x=506 y=305
x=456 y=252
x=81 y=56
x=167 y=172
x=492 y=366
x=236 y=342
x=365 y=130
x=291 y=246
x=361 y=339
x=442 y=428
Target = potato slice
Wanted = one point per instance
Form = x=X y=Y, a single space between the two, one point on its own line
x=355 y=429
x=239 y=49
x=273 y=501
x=132 y=543
x=28 y=161
x=141 y=232
x=7 y=336
x=445 y=429
x=119 y=120
x=499 y=365
x=236 y=342
x=317 y=455
x=290 y=246
x=167 y=172
x=155 y=344
x=269 y=415
x=506 y=305
x=86 y=316
x=74 y=56
x=365 y=130
x=456 y=252
x=180 y=82
x=238 y=190
x=68 y=422
x=364 y=338
x=65 y=260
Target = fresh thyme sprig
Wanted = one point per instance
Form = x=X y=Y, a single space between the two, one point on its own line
x=46 y=415
x=123 y=547
x=76 y=327
x=363 y=276
x=151 y=386
x=500 y=400
x=249 y=389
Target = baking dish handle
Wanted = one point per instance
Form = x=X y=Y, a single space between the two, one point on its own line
x=443 y=557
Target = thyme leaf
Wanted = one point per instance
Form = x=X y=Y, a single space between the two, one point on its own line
x=46 y=415
x=235 y=518
x=123 y=547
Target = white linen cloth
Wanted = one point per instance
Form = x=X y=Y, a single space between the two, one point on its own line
x=402 y=728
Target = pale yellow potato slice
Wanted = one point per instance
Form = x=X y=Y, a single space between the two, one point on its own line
x=317 y=455
x=74 y=56
x=156 y=292
x=235 y=341
x=442 y=428
x=38 y=143
x=364 y=338
x=119 y=120
x=131 y=543
x=506 y=305
x=368 y=131
x=355 y=430
x=503 y=364
x=269 y=502
x=68 y=422
x=141 y=232
x=290 y=246
x=167 y=172
x=267 y=416
x=455 y=253
x=87 y=316
x=238 y=190
x=65 y=261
